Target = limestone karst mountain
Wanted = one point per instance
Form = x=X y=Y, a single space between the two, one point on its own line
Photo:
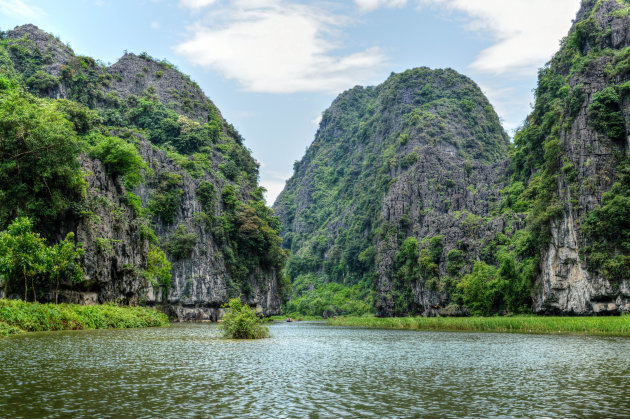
x=193 y=193
x=412 y=195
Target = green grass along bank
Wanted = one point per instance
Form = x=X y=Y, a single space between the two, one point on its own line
x=17 y=316
x=606 y=325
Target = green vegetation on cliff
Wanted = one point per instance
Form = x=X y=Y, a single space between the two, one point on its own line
x=107 y=116
x=547 y=176
x=331 y=208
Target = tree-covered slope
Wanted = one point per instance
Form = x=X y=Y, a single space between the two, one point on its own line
x=134 y=159
x=357 y=187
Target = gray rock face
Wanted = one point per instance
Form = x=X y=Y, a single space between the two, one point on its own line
x=438 y=196
x=116 y=252
x=111 y=233
x=565 y=285
x=133 y=74
x=201 y=279
x=54 y=52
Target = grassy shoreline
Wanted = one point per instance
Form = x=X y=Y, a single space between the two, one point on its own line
x=295 y=318
x=605 y=326
x=17 y=316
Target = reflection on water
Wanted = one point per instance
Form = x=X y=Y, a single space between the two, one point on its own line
x=311 y=369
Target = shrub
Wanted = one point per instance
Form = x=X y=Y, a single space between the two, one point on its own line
x=158 y=270
x=605 y=113
x=42 y=82
x=181 y=243
x=240 y=322
x=120 y=158
x=165 y=200
x=207 y=195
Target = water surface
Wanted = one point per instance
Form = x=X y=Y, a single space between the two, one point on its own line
x=311 y=369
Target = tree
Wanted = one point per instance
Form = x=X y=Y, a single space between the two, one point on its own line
x=63 y=262
x=120 y=158
x=22 y=254
x=39 y=172
x=479 y=289
x=25 y=256
x=407 y=273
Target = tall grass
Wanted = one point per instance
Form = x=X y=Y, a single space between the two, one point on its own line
x=613 y=326
x=295 y=317
x=17 y=315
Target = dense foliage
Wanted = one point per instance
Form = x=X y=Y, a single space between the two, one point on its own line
x=312 y=296
x=241 y=322
x=331 y=206
x=40 y=175
x=17 y=316
x=106 y=118
x=27 y=263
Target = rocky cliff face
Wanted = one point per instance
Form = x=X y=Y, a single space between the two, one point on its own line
x=444 y=195
x=589 y=65
x=420 y=156
x=440 y=197
x=199 y=185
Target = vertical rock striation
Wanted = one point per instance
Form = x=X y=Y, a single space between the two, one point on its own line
x=181 y=137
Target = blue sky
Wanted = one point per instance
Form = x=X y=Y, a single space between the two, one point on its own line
x=273 y=66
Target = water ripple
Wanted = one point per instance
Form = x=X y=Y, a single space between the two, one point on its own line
x=311 y=370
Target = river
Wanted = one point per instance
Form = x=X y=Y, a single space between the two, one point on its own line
x=311 y=369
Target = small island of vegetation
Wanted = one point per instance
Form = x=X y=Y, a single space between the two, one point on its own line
x=241 y=322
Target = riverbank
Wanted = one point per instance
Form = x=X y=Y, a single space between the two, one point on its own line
x=17 y=316
x=607 y=326
x=295 y=318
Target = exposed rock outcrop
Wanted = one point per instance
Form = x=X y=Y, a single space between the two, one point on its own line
x=565 y=284
x=115 y=238
x=420 y=156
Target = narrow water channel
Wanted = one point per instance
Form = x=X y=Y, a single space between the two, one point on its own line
x=311 y=369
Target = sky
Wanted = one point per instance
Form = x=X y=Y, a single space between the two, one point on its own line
x=273 y=66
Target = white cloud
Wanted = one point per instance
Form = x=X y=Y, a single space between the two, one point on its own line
x=273 y=46
x=19 y=10
x=196 y=4
x=523 y=29
x=273 y=182
x=317 y=120
x=369 y=5
x=155 y=25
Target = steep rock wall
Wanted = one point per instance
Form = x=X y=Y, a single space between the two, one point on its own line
x=565 y=284
x=114 y=237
